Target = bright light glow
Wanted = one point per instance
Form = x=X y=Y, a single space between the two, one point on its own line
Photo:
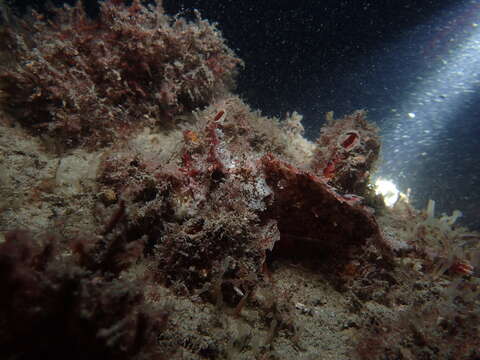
x=388 y=190
x=424 y=141
x=442 y=91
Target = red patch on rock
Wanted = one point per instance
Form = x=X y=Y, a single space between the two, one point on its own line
x=312 y=216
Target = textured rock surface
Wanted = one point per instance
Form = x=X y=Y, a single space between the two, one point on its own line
x=224 y=235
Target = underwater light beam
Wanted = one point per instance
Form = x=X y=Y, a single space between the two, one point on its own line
x=445 y=87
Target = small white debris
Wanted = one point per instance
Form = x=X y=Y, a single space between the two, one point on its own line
x=303 y=308
x=238 y=291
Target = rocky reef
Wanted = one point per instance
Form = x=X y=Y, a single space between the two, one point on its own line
x=148 y=212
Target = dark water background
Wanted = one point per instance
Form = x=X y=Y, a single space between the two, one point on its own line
x=394 y=58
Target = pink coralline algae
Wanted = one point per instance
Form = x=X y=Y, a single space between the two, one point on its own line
x=311 y=215
x=89 y=81
x=189 y=197
x=239 y=186
x=347 y=151
x=228 y=196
